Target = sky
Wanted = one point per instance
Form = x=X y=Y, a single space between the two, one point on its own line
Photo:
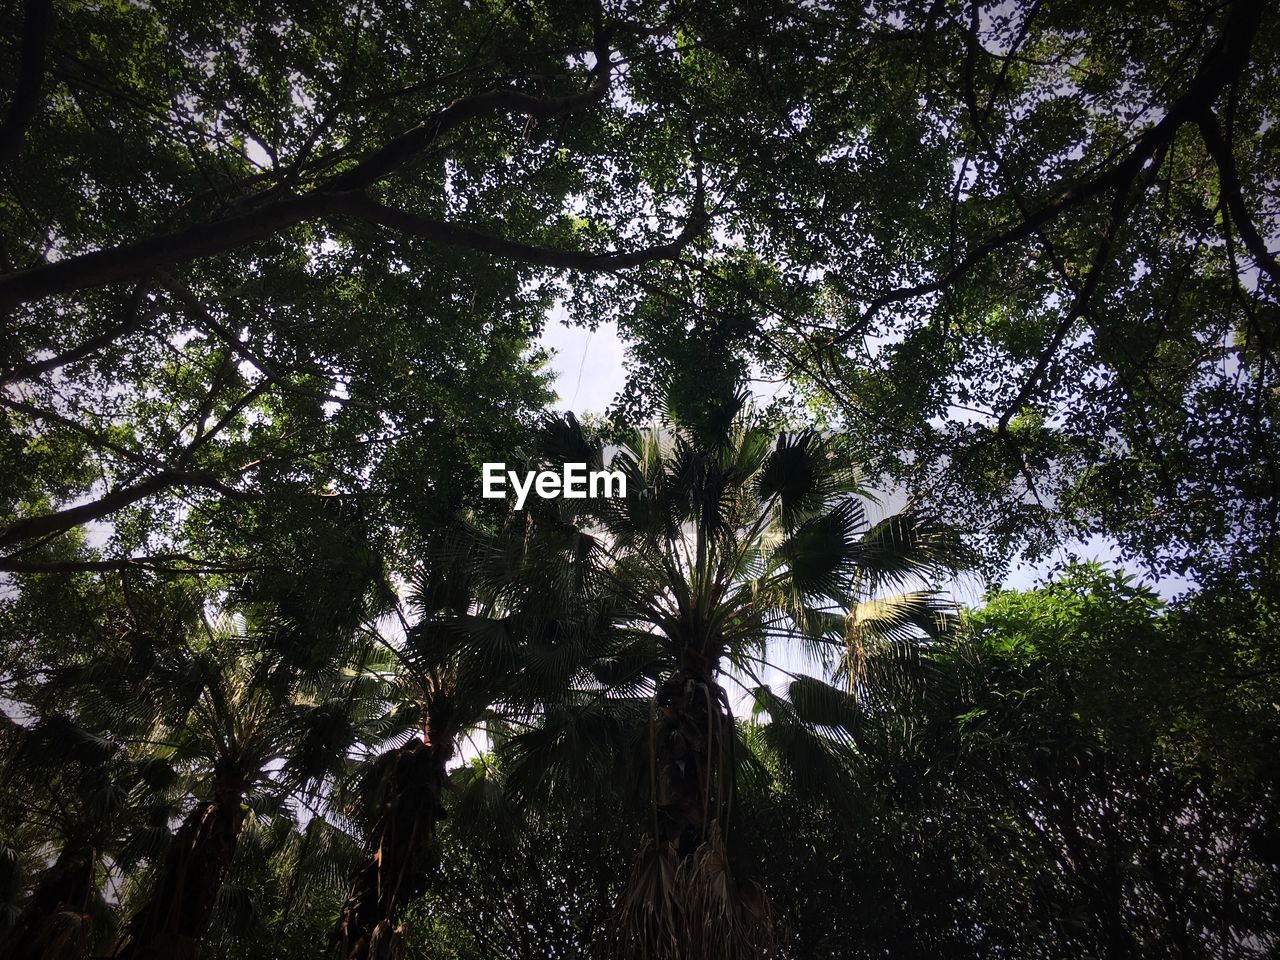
x=588 y=366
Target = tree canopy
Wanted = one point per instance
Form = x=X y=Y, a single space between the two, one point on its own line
x=910 y=293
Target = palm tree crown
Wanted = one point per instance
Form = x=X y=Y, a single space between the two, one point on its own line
x=735 y=548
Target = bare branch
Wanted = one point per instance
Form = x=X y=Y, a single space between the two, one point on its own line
x=232 y=412
x=200 y=316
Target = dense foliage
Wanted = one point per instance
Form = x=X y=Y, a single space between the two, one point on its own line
x=275 y=681
x=1050 y=791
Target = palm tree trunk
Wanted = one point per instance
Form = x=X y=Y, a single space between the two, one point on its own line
x=401 y=865
x=174 y=918
x=682 y=901
x=687 y=725
x=54 y=925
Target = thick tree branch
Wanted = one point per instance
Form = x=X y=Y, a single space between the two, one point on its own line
x=106 y=266
x=36 y=23
x=1229 y=179
x=144 y=256
x=261 y=216
x=28 y=528
x=361 y=207
x=160 y=563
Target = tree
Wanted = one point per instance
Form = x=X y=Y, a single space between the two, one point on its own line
x=74 y=793
x=224 y=710
x=437 y=698
x=1071 y=719
x=236 y=345
x=938 y=804
x=147 y=735
x=937 y=220
x=731 y=541
x=70 y=795
x=285 y=887
x=538 y=881
x=270 y=283
x=403 y=793
x=1028 y=246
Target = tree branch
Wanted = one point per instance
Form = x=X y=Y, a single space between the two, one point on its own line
x=161 y=562
x=180 y=246
x=37 y=413
x=362 y=207
x=26 y=92
x=269 y=212
x=232 y=412
x=1225 y=61
x=1229 y=179
x=410 y=144
x=60 y=521
x=1078 y=308
x=132 y=321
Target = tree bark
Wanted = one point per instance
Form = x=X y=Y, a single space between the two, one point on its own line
x=55 y=924
x=174 y=918
x=60 y=521
x=686 y=742
x=682 y=900
x=36 y=25
x=406 y=855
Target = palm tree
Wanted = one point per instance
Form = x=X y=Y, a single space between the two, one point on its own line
x=68 y=799
x=287 y=880
x=401 y=802
x=239 y=723
x=733 y=544
x=472 y=584
x=400 y=796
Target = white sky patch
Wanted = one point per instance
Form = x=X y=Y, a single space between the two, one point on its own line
x=1024 y=575
x=339 y=391
x=589 y=371
x=587 y=364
